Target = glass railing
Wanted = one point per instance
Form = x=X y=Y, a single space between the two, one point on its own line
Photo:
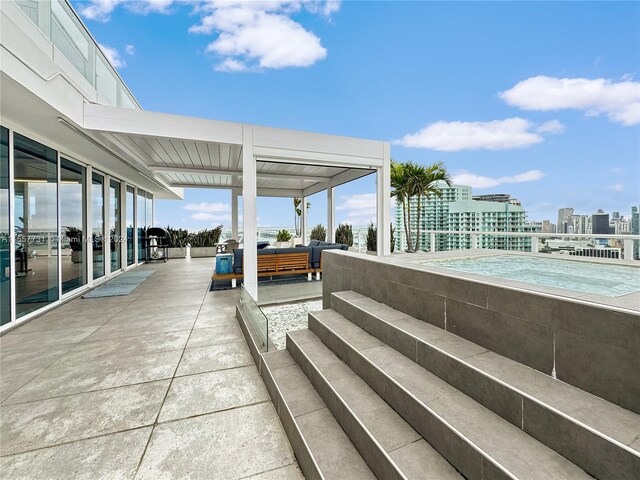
x=604 y=246
x=61 y=25
x=257 y=321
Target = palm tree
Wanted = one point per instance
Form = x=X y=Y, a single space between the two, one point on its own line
x=424 y=182
x=297 y=208
x=400 y=185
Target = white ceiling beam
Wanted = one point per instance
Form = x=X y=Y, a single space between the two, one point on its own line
x=319 y=159
x=262 y=192
x=235 y=173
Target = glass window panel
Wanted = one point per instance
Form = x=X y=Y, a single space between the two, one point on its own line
x=36 y=224
x=72 y=208
x=142 y=225
x=114 y=224
x=106 y=83
x=5 y=252
x=97 y=224
x=130 y=225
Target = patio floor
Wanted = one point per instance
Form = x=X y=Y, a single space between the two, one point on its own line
x=155 y=384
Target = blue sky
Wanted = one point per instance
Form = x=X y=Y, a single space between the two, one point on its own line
x=540 y=100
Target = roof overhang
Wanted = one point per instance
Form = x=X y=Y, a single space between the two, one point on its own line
x=187 y=152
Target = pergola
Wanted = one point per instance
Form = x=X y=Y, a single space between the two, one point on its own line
x=184 y=152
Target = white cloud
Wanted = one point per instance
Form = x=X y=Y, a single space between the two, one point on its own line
x=552 y=126
x=101 y=10
x=130 y=49
x=617 y=187
x=208 y=207
x=210 y=217
x=619 y=101
x=478 y=181
x=251 y=35
x=456 y=136
x=616 y=170
x=113 y=56
x=359 y=208
x=259 y=35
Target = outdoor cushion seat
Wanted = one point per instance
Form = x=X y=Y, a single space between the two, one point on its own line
x=263 y=244
x=238 y=254
x=316 y=252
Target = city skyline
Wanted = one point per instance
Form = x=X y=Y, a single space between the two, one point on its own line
x=481 y=103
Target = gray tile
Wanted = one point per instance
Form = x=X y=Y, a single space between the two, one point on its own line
x=57 y=320
x=290 y=472
x=65 y=378
x=213 y=391
x=231 y=444
x=213 y=335
x=18 y=367
x=334 y=453
x=297 y=392
x=278 y=359
x=483 y=389
x=160 y=311
x=44 y=423
x=521 y=340
x=137 y=327
x=109 y=457
x=207 y=320
x=597 y=456
x=417 y=303
x=214 y=357
x=420 y=460
x=603 y=369
x=33 y=340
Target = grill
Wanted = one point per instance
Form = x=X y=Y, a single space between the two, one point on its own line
x=157 y=244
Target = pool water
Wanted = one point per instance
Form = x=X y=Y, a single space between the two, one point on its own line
x=588 y=277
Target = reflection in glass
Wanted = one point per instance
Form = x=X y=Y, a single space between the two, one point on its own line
x=72 y=205
x=130 y=218
x=114 y=224
x=97 y=224
x=141 y=213
x=36 y=225
x=5 y=252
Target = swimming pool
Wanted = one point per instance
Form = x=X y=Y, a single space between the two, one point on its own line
x=589 y=277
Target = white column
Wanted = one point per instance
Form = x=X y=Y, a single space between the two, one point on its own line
x=331 y=214
x=383 y=187
x=249 y=193
x=303 y=221
x=123 y=225
x=234 y=214
x=88 y=226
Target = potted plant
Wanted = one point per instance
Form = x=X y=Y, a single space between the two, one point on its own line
x=344 y=235
x=319 y=233
x=283 y=239
x=74 y=237
x=203 y=243
x=372 y=239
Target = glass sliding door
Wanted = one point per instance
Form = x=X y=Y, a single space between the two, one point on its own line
x=141 y=214
x=36 y=224
x=5 y=246
x=72 y=208
x=130 y=200
x=97 y=224
x=114 y=224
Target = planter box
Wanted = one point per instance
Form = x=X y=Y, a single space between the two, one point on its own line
x=76 y=257
x=199 y=252
x=177 y=252
x=296 y=241
x=282 y=244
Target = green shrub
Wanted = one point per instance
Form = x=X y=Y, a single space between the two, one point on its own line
x=319 y=233
x=344 y=235
x=179 y=237
x=283 y=236
x=393 y=238
x=372 y=238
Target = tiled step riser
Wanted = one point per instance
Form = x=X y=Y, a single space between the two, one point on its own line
x=371 y=451
x=300 y=447
x=461 y=454
x=592 y=452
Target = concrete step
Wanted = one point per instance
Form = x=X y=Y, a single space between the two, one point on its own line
x=599 y=436
x=391 y=448
x=321 y=447
x=477 y=442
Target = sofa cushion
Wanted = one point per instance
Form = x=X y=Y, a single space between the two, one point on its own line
x=316 y=252
x=263 y=244
x=314 y=243
x=238 y=255
x=292 y=250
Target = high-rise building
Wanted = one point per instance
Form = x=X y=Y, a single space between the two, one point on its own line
x=497 y=197
x=615 y=215
x=635 y=230
x=578 y=224
x=456 y=211
x=548 y=227
x=600 y=223
x=564 y=214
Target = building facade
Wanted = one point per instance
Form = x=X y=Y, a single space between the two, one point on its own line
x=456 y=211
x=564 y=214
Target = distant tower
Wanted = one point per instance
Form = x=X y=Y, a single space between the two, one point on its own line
x=564 y=214
x=600 y=223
